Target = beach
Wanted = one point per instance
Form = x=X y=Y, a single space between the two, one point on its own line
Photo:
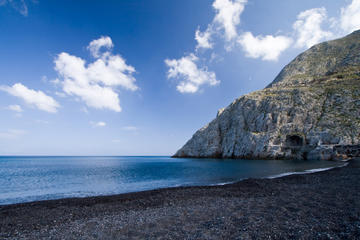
x=321 y=205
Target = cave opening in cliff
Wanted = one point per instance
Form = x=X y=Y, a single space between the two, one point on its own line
x=294 y=141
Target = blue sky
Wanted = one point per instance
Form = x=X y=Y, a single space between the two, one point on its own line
x=140 y=77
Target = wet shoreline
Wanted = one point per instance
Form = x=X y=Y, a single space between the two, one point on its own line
x=319 y=205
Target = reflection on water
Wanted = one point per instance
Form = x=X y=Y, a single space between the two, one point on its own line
x=24 y=179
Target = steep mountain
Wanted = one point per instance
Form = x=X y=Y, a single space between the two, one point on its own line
x=311 y=110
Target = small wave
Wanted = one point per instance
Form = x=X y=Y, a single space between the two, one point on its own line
x=306 y=171
x=223 y=183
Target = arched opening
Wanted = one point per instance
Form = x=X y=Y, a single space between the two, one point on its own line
x=294 y=141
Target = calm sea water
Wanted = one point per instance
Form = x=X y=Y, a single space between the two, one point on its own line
x=24 y=179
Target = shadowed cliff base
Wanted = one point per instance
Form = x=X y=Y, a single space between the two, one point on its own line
x=310 y=111
x=323 y=205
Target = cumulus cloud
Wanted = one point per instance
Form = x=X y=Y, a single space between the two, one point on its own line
x=228 y=15
x=203 y=39
x=98 y=124
x=15 y=108
x=308 y=27
x=96 y=83
x=95 y=46
x=34 y=98
x=226 y=19
x=192 y=77
x=350 y=17
x=267 y=48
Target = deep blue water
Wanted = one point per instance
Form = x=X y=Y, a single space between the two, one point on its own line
x=24 y=179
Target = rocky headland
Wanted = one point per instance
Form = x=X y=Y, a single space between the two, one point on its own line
x=310 y=111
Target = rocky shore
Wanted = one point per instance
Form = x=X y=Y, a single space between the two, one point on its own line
x=323 y=205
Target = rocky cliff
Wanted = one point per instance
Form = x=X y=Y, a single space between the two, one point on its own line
x=310 y=110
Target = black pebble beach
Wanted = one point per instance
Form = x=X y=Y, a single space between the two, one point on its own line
x=323 y=205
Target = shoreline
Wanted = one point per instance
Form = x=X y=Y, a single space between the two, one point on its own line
x=167 y=212
x=309 y=171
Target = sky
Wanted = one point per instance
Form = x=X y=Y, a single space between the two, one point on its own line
x=139 y=77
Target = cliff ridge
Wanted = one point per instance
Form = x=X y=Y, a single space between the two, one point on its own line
x=310 y=111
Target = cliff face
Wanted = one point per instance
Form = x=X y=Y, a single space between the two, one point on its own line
x=309 y=110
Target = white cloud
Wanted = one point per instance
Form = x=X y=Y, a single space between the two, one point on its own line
x=203 y=39
x=95 y=45
x=12 y=133
x=98 y=124
x=226 y=19
x=18 y=5
x=228 y=15
x=192 y=77
x=96 y=83
x=35 y=98
x=350 y=17
x=129 y=128
x=215 y=58
x=267 y=48
x=311 y=27
x=15 y=108
x=308 y=27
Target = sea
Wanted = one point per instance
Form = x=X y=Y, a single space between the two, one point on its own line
x=34 y=178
